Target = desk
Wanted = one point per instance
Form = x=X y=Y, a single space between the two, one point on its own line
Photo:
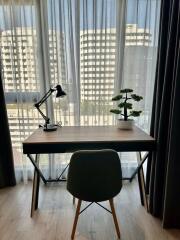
x=70 y=139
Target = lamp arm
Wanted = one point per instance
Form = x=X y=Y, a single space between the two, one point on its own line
x=42 y=100
x=43 y=115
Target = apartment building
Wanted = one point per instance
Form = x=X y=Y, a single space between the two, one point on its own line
x=21 y=74
x=98 y=59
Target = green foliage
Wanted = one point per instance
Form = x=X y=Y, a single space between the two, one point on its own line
x=115 y=111
x=135 y=113
x=124 y=106
x=117 y=98
x=136 y=97
x=126 y=90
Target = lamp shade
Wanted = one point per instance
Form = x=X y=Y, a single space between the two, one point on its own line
x=60 y=92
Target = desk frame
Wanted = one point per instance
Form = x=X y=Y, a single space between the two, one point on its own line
x=142 y=144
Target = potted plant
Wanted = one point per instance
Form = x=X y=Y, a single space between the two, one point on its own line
x=125 y=108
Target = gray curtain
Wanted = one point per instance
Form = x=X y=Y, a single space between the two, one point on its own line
x=7 y=175
x=163 y=172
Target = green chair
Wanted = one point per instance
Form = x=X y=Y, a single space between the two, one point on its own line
x=94 y=176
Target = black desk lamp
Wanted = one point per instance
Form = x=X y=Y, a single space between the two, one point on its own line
x=60 y=93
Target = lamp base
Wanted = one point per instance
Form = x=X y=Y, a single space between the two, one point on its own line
x=50 y=128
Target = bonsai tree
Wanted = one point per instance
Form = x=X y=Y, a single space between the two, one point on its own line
x=125 y=107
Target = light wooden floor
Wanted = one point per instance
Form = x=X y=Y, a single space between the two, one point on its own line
x=53 y=220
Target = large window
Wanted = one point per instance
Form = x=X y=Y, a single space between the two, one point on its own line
x=92 y=48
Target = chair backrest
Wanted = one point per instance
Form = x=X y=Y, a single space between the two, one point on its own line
x=94 y=175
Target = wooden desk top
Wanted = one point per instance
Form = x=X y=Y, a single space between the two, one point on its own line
x=72 y=138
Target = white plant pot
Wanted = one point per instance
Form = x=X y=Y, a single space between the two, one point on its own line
x=126 y=125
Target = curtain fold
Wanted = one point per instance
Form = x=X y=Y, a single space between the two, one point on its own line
x=7 y=174
x=164 y=165
x=140 y=53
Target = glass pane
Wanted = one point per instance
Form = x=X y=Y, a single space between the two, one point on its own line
x=97 y=60
x=62 y=57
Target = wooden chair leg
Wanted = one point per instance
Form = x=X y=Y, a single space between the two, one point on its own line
x=76 y=218
x=114 y=217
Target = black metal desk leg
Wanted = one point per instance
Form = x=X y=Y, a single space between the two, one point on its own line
x=37 y=185
x=142 y=183
x=35 y=190
x=37 y=168
x=140 y=188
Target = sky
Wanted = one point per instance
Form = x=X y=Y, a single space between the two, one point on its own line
x=142 y=12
